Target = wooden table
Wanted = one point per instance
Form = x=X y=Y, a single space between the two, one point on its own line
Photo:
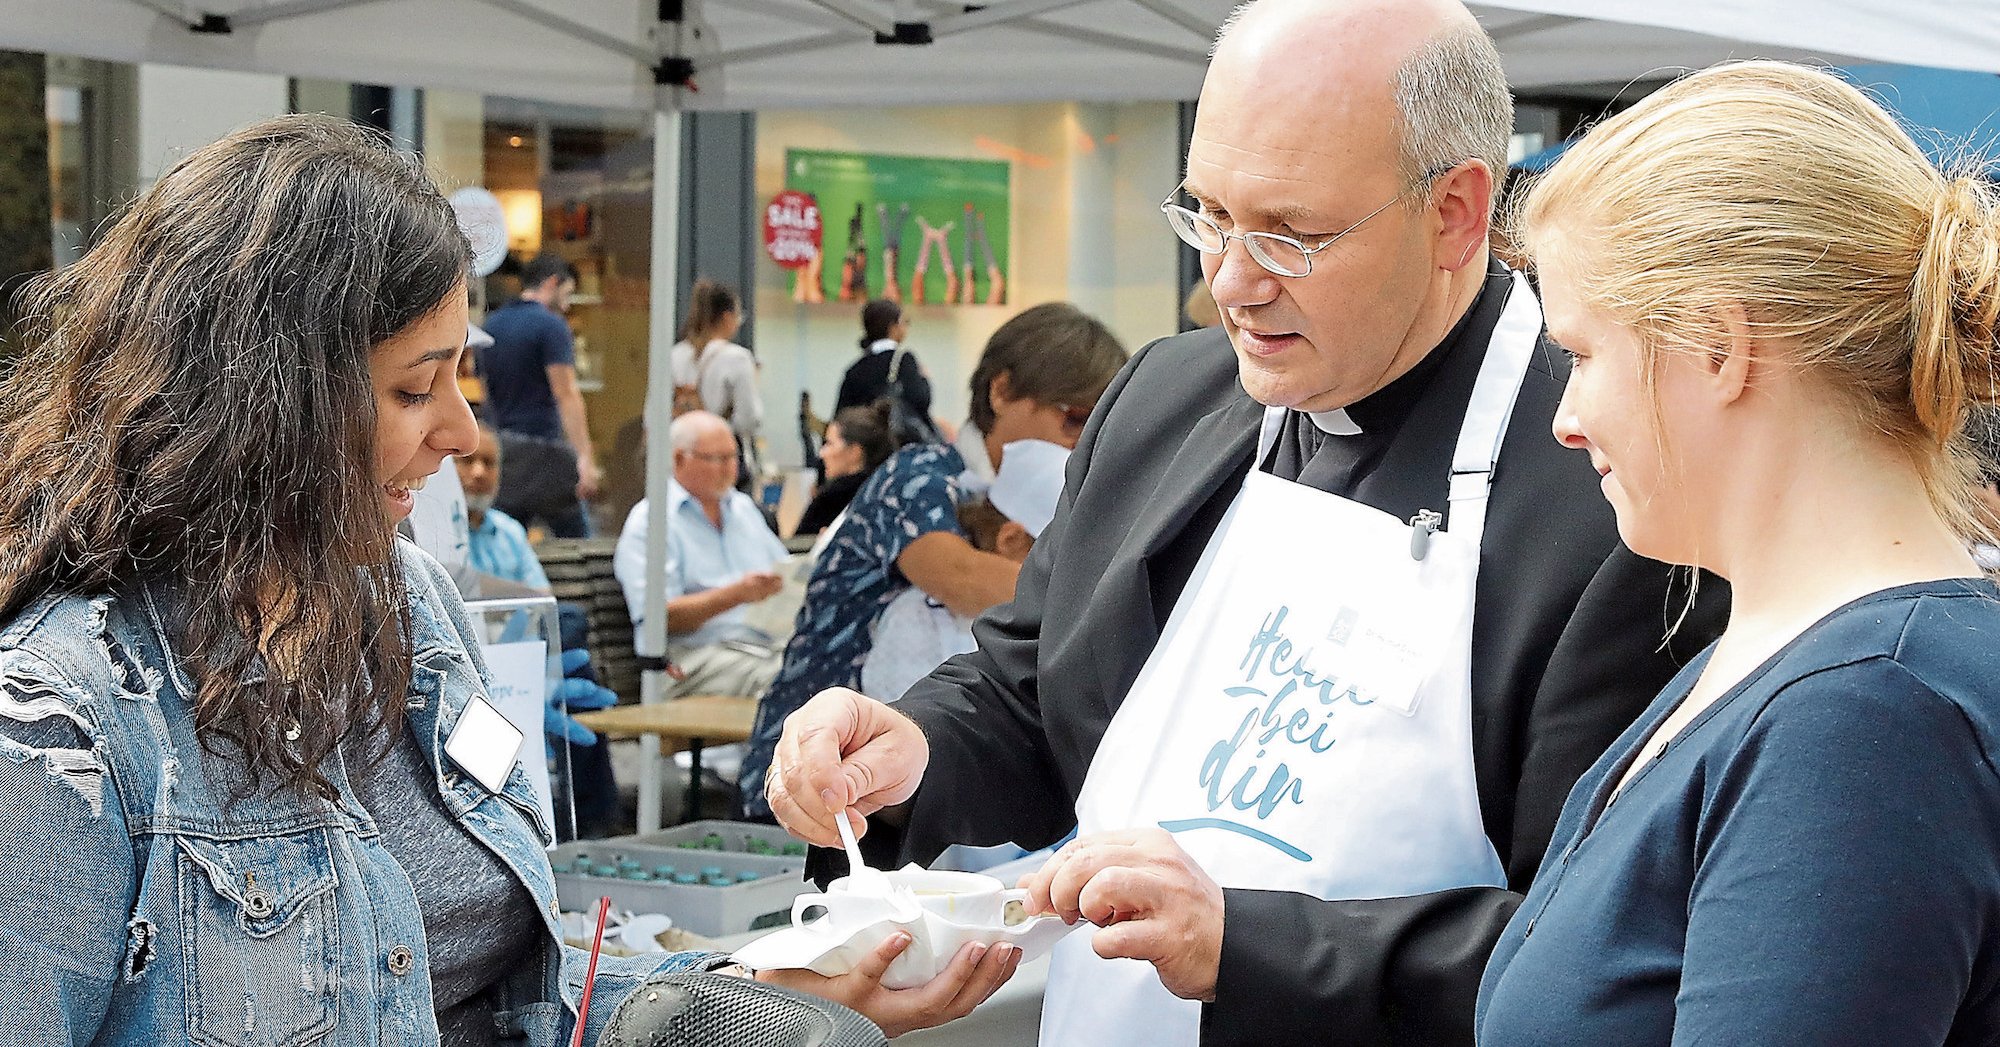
x=682 y=723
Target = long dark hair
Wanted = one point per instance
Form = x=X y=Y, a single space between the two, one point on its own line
x=195 y=410
x=708 y=303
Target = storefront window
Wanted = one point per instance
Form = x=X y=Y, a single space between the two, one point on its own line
x=69 y=190
x=578 y=182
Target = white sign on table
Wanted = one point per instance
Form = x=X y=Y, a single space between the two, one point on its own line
x=520 y=681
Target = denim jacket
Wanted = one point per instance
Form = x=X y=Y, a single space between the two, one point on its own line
x=146 y=904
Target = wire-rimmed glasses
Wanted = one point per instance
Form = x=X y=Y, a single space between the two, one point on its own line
x=1276 y=252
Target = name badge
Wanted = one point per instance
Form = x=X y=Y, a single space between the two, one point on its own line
x=484 y=744
x=1392 y=650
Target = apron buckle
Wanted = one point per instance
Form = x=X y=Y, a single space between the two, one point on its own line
x=1422 y=526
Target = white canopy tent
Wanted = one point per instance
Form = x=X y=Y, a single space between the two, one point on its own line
x=765 y=54
x=674 y=55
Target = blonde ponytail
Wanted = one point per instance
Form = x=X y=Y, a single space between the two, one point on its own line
x=1789 y=193
x=1956 y=302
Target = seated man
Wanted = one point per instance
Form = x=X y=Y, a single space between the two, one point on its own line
x=917 y=632
x=498 y=543
x=497 y=548
x=721 y=558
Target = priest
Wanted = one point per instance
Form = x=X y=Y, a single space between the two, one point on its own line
x=1327 y=623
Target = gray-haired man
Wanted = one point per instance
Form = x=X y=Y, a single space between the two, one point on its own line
x=1327 y=625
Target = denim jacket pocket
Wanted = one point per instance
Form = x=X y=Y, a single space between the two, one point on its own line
x=258 y=916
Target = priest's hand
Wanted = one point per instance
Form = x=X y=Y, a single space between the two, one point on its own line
x=842 y=751
x=1150 y=899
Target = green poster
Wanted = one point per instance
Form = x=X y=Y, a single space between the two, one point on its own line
x=915 y=229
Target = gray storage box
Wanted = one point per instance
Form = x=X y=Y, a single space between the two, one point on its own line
x=733 y=837
x=626 y=869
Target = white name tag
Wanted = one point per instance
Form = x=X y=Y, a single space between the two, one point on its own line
x=484 y=744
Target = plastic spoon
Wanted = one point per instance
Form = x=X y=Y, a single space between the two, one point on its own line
x=859 y=876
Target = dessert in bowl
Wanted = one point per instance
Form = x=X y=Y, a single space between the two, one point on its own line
x=941 y=911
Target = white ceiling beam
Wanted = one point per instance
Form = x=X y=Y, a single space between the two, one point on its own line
x=251 y=16
x=998 y=14
x=1179 y=16
x=792 y=13
x=854 y=12
x=778 y=50
x=1064 y=31
x=597 y=38
x=177 y=12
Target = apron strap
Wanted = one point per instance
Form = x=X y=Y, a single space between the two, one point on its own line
x=1508 y=351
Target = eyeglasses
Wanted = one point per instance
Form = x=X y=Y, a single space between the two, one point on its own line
x=1280 y=254
x=713 y=458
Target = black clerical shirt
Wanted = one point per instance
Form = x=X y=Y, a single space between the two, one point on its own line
x=1433 y=394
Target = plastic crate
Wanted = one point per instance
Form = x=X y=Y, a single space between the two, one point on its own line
x=723 y=905
x=747 y=838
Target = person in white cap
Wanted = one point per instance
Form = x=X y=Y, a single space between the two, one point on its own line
x=917 y=632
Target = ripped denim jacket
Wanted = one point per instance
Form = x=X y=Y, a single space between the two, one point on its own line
x=147 y=904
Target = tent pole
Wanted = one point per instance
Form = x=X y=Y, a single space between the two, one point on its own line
x=659 y=443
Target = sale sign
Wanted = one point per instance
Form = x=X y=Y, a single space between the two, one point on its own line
x=793 y=230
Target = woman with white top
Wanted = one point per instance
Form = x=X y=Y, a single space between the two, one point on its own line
x=713 y=373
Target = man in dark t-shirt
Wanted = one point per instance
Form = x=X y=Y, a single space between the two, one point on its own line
x=533 y=400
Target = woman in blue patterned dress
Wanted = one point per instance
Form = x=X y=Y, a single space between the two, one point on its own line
x=1038 y=378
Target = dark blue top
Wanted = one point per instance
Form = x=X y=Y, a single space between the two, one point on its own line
x=528 y=338
x=915 y=492
x=1814 y=861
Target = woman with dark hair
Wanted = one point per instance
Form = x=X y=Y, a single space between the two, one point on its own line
x=886 y=368
x=252 y=788
x=857 y=440
x=714 y=374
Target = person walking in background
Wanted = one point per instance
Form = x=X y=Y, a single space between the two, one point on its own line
x=857 y=440
x=712 y=373
x=888 y=370
x=532 y=399
x=1782 y=317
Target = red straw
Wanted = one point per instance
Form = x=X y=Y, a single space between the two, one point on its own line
x=596 y=947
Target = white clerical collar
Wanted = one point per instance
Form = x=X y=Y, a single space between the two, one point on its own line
x=882 y=345
x=1334 y=422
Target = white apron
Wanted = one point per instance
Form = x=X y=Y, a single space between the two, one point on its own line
x=1305 y=721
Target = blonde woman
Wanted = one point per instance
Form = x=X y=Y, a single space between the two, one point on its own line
x=1781 y=316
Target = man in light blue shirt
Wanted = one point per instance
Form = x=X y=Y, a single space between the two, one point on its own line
x=498 y=543
x=721 y=558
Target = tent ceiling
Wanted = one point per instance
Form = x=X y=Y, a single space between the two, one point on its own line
x=765 y=54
